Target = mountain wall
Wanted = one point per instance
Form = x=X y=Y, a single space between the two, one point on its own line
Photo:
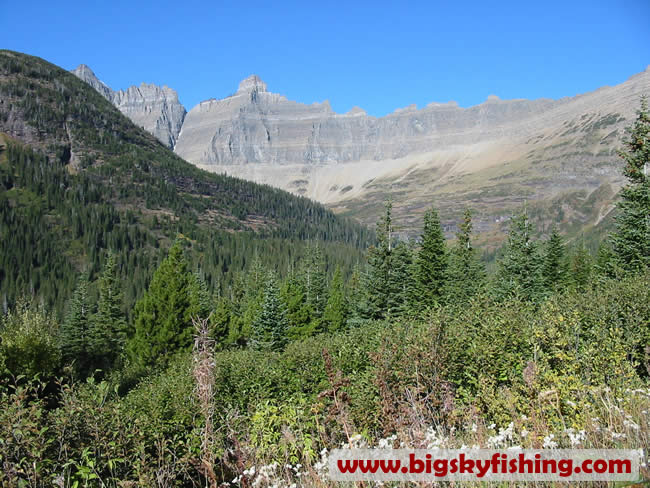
x=559 y=156
x=154 y=108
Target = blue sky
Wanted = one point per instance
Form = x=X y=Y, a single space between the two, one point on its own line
x=377 y=55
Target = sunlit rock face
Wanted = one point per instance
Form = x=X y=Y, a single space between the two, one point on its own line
x=558 y=155
x=156 y=109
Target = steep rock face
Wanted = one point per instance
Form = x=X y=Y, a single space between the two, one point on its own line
x=156 y=109
x=84 y=73
x=491 y=157
x=255 y=126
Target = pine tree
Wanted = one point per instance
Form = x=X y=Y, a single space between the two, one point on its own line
x=581 y=265
x=336 y=311
x=107 y=332
x=554 y=270
x=270 y=328
x=520 y=268
x=203 y=295
x=163 y=316
x=466 y=273
x=314 y=278
x=358 y=305
x=298 y=311
x=431 y=263
x=606 y=264
x=376 y=280
x=400 y=282
x=631 y=240
x=74 y=330
x=220 y=321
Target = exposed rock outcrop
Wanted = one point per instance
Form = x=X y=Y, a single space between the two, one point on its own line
x=156 y=109
x=490 y=157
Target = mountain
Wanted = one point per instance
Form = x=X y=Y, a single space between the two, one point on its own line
x=154 y=108
x=558 y=155
x=78 y=178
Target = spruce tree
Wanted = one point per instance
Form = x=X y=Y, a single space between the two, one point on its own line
x=466 y=273
x=358 y=305
x=606 y=263
x=220 y=322
x=376 y=280
x=520 y=268
x=554 y=268
x=336 y=310
x=107 y=332
x=163 y=316
x=581 y=266
x=431 y=263
x=400 y=280
x=74 y=329
x=298 y=311
x=270 y=328
x=315 y=284
x=631 y=239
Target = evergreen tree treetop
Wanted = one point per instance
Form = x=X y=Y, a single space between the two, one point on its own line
x=431 y=262
x=631 y=239
x=163 y=316
x=270 y=328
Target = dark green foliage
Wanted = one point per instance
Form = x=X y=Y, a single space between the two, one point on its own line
x=377 y=279
x=386 y=283
x=400 y=279
x=520 y=268
x=107 y=331
x=631 y=240
x=315 y=284
x=525 y=351
x=220 y=322
x=606 y=265
x=580 y=267
x=75 y=327
x=163 y=316
x=270 y=327
x=294 y=295
x=554 y=266
x=94 y=181
x=430 y=263
x=466 y=274
x=336 y=311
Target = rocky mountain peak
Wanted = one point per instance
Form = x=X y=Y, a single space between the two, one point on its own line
x=83 y=72
x=250 y=84
x=156 y=109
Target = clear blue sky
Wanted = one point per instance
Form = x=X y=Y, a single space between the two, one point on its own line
x=378 y=55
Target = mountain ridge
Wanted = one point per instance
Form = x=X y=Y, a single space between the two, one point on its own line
x=78 y=178
x=443 y=154
x=154 y=108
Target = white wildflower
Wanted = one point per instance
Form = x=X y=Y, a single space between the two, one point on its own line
x=549 y=443
x=630 y=424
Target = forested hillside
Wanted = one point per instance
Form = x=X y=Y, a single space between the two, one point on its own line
x=78 y=179
x=164 y=327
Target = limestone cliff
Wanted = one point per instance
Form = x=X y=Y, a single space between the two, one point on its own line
x=156 y=109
